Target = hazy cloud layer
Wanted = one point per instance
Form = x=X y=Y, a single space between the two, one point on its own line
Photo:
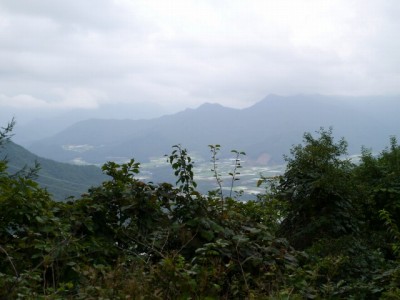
x=82 y=54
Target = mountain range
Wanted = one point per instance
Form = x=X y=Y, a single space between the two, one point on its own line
x=265 y=131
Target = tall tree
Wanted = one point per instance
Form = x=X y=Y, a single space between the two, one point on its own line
x=318 y=188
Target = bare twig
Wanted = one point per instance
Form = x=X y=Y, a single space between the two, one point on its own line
x=9 y=258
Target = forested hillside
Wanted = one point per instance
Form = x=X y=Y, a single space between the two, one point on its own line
x=325 y=229
x=60 y=179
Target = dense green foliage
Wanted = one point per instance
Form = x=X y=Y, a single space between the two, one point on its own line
x=319 y=190
x=326 y=228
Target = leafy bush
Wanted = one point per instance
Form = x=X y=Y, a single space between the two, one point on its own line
x=304 y=238
x=317 y=185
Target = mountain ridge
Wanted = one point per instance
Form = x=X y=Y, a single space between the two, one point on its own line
x=268 y=127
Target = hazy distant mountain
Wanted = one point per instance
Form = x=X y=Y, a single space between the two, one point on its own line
x=265 y=131
x=46 y=124
x=60 y=179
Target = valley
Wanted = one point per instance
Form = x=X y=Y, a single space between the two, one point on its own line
x=265 y=131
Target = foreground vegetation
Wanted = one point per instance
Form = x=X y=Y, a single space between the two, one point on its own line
x=325 y=229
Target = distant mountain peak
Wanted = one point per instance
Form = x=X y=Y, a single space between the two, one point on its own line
x=270 y=126
x=208 y=105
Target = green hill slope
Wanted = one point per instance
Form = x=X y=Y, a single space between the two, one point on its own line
x=60 y=179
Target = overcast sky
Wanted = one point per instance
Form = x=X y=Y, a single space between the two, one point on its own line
x=58 y=54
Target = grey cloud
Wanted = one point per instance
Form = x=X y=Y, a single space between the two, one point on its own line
x=95 y=14
x=126 y=51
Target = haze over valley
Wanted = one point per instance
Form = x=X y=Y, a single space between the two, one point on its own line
x=265 y=131
x=184 y=149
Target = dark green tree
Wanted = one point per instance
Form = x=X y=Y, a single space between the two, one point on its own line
x=319 y=190
x=379 y=177
x=33 y=241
